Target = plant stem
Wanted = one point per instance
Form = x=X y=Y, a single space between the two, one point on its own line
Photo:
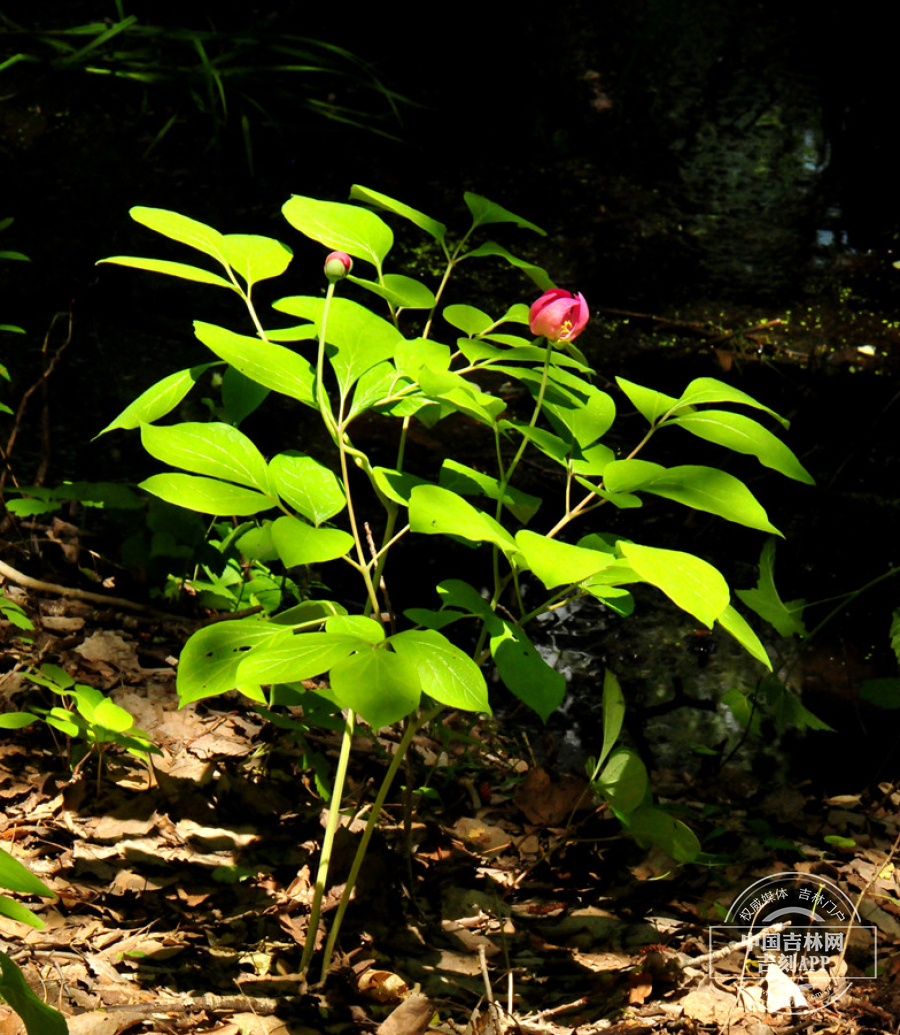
x=399 y=755
x=334 y=818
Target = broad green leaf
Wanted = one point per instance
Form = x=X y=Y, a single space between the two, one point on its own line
x=274 y=366
x=744 y=435
x=376 y=385
x=787 y=619
x=158 y=400
x=628 y=475
x=559 y=564
x=650 y=404
x=256 y=258
x=431 y=226
x=592 y=462
x=571 y=404
x=170 y=269
x=209 y=661
x=707 y=489
x=367 y=629
x=616 y=599
x=446 y=673
x=240 y=396
x=485 y=211
x=402 y=292
x=623 y=782
x=537 y=273
x=465 y=397
x=181 y=228
x=709 y=390
x=467 y=319
x=549 y=444
x=882 y=693
x=39 y=1018
x=692 y=584
x=112 y=716
x=652 y=826
x=206 y=495
x=415 y=353
x=291 y=657
x=436 y=511
x=346 y=228
x=217 y=450
x=16 y=720
x=613 y=713
x=16 y=877
x=467 y=481
x=432 y=619
x=359 y=339
x=524 y=671
x=307 y=486
x=380 y=686
x=733 y=622
x=299 y=543
x=456 y=593
x=397 y=485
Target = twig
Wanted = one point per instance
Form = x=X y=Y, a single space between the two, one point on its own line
x=27 y=582
x=726 y=950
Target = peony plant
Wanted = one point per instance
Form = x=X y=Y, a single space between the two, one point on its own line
x=421 y=359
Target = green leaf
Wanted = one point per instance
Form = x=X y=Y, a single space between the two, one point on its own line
x=359 y=339
x=436 y=511
x=549 y=444
x=299 y=543
x=764 y=600
x=112 y=716
x=743 y=435
x=524 y=671
x=217 y=450
x=652 y=826
x=256 y=258
x=397 y=485
x=380 y=686
x=291 y=657
x=346 y=228
x=158 y=400
x=485 y=211
x=16 y=911
x=367 y=629
x=308 y=486
x=613 y=713
x=702 y=488
x=375 y=385
x=735 y=624
x=883 y=693
x=39 y=1018
x=467 y=319
x=16 y=877
x=431 y=226
x=240 y=396
x=709 y=390
x=623 y=782
x=692 y=584
x=182 y=229
x=402 y=292
x=170 y=269
x=559 y=564
x=209 y=662
x=411 y=355
x=537 y=273
x=467 y=481
x=268 y=364
x=16 y=720
x=650 y=404
x=206 y=495
x=446 y=673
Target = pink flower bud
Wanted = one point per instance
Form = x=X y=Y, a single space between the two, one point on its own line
x=337 y=265
x=559 y=315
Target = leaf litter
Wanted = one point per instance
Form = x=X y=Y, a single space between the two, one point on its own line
x=505 y=901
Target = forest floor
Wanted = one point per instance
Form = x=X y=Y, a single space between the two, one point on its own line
x=498 y=898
